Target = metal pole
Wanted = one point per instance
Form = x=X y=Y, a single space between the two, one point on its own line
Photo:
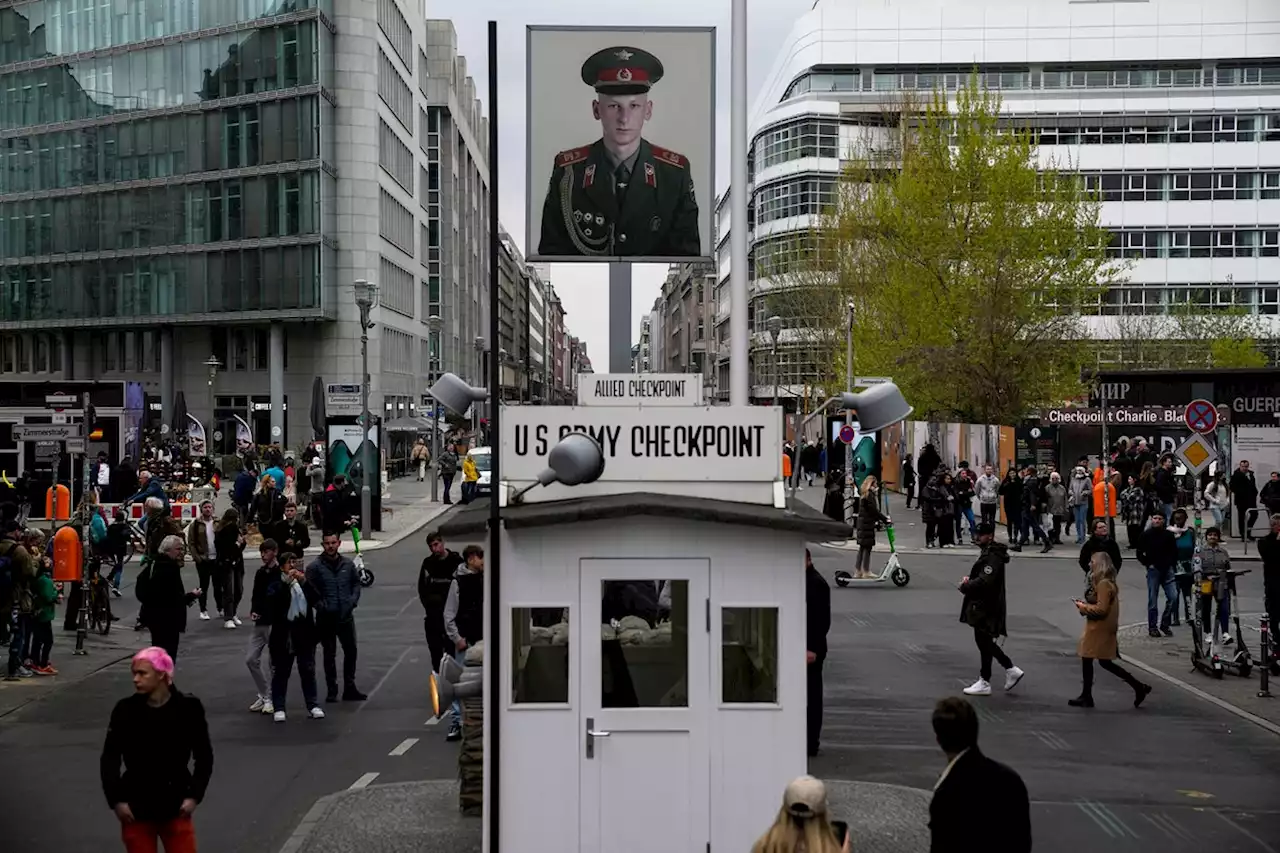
x=619 y=318
x=493 y=631
x=848 y=418
x=1105 y=461
x=366 y=452
x=1264 y=686
x=82 y=618
x=775 y=384
x=739 y=305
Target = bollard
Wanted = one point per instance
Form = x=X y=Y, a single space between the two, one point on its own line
x=1264 y=691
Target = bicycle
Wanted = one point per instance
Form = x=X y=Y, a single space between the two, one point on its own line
x=99 y=603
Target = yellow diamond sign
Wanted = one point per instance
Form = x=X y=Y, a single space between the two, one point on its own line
x=1196 y=453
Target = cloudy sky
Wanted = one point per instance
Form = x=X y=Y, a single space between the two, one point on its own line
x=584 y=287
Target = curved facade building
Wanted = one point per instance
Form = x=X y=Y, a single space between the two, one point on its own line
x=1171 y=108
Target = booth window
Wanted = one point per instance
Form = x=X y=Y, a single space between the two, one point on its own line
x=749 y=655
x=539 y=655
x=644 y=644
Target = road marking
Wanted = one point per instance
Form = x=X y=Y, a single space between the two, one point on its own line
x=406 y=606
x=385 y=676
x=1106 y=819
x=1213 y=700
x=1170 y=827
x=405 y=746
x=363 y=781
x=433 y=721
x=1246 y=833
x=1052 y=740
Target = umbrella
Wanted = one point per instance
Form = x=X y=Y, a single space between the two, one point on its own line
x=317 y=407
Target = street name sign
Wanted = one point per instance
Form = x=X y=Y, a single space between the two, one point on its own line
x=45 y=432
x=1196 y=453
x=868 y=381
x=75 y=445
x=343 y=399
x=640 y=389
x=61 y=401
x=663 y=444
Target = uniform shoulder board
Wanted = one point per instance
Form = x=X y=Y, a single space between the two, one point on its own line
x=573 y=155
x=670 y=157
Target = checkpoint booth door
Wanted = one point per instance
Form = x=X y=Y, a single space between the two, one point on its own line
x=645 y=756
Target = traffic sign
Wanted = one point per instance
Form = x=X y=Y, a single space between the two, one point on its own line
x=1196 y=453
x=45 y=432
x=75 y=445
x=60 y=401
x=1201 y=416
x=848 y=434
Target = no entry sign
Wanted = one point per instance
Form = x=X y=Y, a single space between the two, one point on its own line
x=1201 y=416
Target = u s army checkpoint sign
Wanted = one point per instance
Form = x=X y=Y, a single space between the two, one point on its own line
x=665 y=444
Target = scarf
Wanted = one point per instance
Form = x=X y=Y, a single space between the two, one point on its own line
x=297 y=599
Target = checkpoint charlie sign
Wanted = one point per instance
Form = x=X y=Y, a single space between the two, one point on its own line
x=664 y=444
x=640 y=389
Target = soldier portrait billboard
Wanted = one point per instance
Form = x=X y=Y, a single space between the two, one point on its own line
x=621 y=143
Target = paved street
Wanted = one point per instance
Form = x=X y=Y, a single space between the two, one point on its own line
x=1181 y=774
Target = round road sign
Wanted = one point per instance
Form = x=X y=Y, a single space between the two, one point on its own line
x=1201 y=416
x=847 y=434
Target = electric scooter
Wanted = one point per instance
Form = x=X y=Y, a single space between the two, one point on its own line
x=365 y=576
x=892 y=570
x=1241 y=662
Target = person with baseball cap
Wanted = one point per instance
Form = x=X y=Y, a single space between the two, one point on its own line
x=803 y=824
x=621 y=195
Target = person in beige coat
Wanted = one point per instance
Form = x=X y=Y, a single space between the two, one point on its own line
x=1098 y=641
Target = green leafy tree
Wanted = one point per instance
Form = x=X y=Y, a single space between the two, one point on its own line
x=963 y=265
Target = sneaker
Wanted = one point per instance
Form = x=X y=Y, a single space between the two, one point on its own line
x=268 y=707
x=278 y=716
x=1166 y=631
x=1142 y=692
x=230 y=623
x=23 y=672
x=981 y=687
x=44 y=670
x=455 y=732
x=1012 y=677
x=1152 y=632
x=316 y=713
x=257 y=705
x=1081 y=702
x=236 y=619
x=1227 y=639
x=353 y=695
x=204 y=616
x=115 y=592
x=11 y=678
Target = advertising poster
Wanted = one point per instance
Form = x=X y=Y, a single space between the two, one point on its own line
x=244 y=436
x=197 y=444
x=621 y=142
x=1036 y=446
x=345 y=450
x=866 y=450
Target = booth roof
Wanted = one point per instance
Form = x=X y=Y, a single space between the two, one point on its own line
x=798 y=517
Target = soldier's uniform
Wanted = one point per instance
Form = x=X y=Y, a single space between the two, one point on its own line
x=643 y=207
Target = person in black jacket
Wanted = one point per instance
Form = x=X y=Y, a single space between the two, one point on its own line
x=869 y=515
x=1158 y=551
x=1100 y=541
x=260 y=615
x=1011 y=491
x=161 y=737
x=984 y=610
x=290 y=532
x=1269 y=552
x=434 y=578
x=291 y=601
x=973 y=785
x=228 y=542
x=1032 y=505
x=1166 y=487
x=1244 y=494
x=163 y=598
x=335 y=578
x=464 y=611
x=908 y=480
x=817 y=609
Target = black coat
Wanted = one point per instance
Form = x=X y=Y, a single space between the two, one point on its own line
x=869 y=515
x=1157 y=548
x=1094 y=544
x=817 y=611
x=978 y=786
x=928 y=463
x=984 y=596
x=226 y=539
x=166 y=755
x=1269 y=551
x=1244 y=488
x=287 y=637
x=434 y=577
x=163 y=597
x=1011 y=491
x=582 y=214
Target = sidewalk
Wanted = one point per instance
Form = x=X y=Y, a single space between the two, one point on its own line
x=909 y=532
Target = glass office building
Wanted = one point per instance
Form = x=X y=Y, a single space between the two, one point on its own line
x=187 y=184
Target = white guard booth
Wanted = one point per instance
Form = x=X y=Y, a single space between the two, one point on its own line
x=653 y=646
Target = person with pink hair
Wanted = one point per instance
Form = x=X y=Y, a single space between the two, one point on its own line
x=161 y=737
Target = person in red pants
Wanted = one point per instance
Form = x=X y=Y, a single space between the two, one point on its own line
x=161 y=737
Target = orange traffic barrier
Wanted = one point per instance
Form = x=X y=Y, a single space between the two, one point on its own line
x=57 y=502
x=68 y=555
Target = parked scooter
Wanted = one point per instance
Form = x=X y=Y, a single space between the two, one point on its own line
x=892 y=570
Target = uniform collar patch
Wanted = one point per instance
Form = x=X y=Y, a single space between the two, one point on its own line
x=650 y=175
x=589 y=176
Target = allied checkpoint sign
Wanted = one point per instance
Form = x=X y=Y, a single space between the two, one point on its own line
x=640 y=389
x=720 y=445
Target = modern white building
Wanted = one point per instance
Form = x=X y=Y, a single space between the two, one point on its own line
x=1171 y=107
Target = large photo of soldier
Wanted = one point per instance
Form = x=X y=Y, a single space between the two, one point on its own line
x=620 y=153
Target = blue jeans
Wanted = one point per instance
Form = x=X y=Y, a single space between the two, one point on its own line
x=1030 y=527
x=966 y=512
x=461 y=658
x=1167 y=509
x=1081 y=515
x=1159 y=578
x=18 y=626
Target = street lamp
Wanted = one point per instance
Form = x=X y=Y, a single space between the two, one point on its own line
x=214 y=365
x=434 y=324
x=481 y=383
x=774 y=325
x=366 y=296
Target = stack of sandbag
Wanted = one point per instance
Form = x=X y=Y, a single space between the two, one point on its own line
x=471 y=758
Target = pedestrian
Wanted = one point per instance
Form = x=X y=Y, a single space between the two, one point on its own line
x=163 y=597
x=1079 y=496
x=1182 y=572
x=228 y=544
x=17 y=578
x=1215 y=566
x=242 y=490
x=1158 y=551
x=817 y=608
x=161 y=737
x=1244 y=495
x=118 y=537
x=1106 y=503
x=869 y=515
x=470 y=477
x=421 y=457
x=267 y=507
x=962 y=491
x=260 y=615
x=1032 y=503
x=464 y=617
x=833 y=501
x=1166 y=484
x=933 y=509
x=202 y=545
x=337 y=586
x=1011 y=491
x=1216 y=499
x=1056 y=505
x=973 y=784
x=290 y=601
x=1270 y=494
x=1098 y=641
x=928 y=462
x=447 y=465
x=984 y=611
x=1269 y=553
x=435 y=576
x=803 y=824
x=290 y=532
x=908 y=480
x=44 y=596
x=1133 y=510
x=987 y=489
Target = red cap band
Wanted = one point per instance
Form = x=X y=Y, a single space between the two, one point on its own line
x=623 y=75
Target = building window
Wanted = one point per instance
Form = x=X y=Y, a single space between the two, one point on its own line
x=395 y=223
x=395 y=290
x=539 y=655
x=794 y=197
x=749 y=655
x=394 y=92
x=397 y=351
x=396 y=29
x=394 y=156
